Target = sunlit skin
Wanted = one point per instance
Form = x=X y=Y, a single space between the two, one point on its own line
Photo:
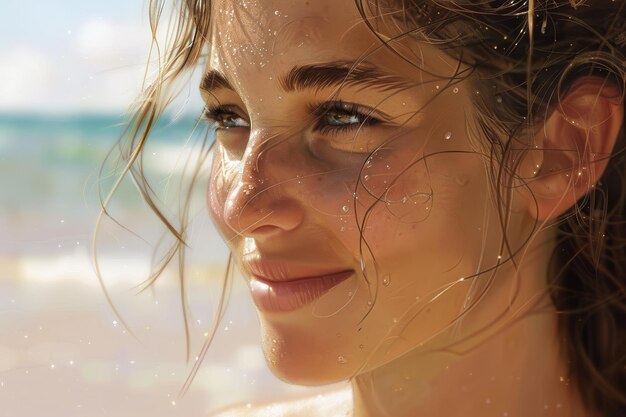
x=293 y=185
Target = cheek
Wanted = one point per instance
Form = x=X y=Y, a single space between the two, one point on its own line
x=222 y=180
x=430 y=220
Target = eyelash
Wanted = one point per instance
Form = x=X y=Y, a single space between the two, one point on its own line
x=217 y=114
x=341 y=108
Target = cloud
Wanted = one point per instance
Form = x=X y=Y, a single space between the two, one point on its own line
x=24 y=75
x=99 y=67
x=102 y=40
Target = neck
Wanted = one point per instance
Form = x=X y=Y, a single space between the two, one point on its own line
x=514 y=368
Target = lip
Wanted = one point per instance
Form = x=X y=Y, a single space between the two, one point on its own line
x=280 y=296
x=277 y=271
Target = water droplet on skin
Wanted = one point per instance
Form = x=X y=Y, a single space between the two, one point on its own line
x=455 y=90
x=499 y=99
x=350 y=294
x=386 y=280
x=369 y=303
x=341 y=359
x=447 y=135
x=345 y=209
x=366 y=178
x=361 y=346
x=277 y=13
x=342 y=229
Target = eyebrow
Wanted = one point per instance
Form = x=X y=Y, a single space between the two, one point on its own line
x=320 y=76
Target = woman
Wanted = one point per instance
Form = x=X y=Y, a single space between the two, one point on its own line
x=424 y=197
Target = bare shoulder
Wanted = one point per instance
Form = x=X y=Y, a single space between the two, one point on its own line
x=331 y=404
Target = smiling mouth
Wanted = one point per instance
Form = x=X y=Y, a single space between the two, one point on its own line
x=272 y=296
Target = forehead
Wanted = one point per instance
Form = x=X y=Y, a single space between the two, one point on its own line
x=255 y=41
x=257 y=32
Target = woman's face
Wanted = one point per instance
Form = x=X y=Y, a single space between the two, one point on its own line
x=344 y=182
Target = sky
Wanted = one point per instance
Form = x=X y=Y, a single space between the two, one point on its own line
x=69 y=56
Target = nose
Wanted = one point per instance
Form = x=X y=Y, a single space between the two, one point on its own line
x=264 y=202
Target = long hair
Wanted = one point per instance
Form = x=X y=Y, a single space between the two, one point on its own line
x=523 y=55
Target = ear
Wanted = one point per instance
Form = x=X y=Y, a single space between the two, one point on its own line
x=574 y=146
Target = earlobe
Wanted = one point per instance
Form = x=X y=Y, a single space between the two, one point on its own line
x=576 y=142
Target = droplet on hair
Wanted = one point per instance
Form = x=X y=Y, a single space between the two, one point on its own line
x=341 y=359
x=447 y=135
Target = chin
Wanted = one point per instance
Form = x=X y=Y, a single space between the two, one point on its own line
x=299 y=357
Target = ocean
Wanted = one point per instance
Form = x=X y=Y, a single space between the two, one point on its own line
x=63 y=352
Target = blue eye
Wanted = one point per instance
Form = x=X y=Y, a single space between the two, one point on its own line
x=225 y=117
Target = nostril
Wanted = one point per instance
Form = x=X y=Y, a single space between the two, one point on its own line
x=265 y=230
